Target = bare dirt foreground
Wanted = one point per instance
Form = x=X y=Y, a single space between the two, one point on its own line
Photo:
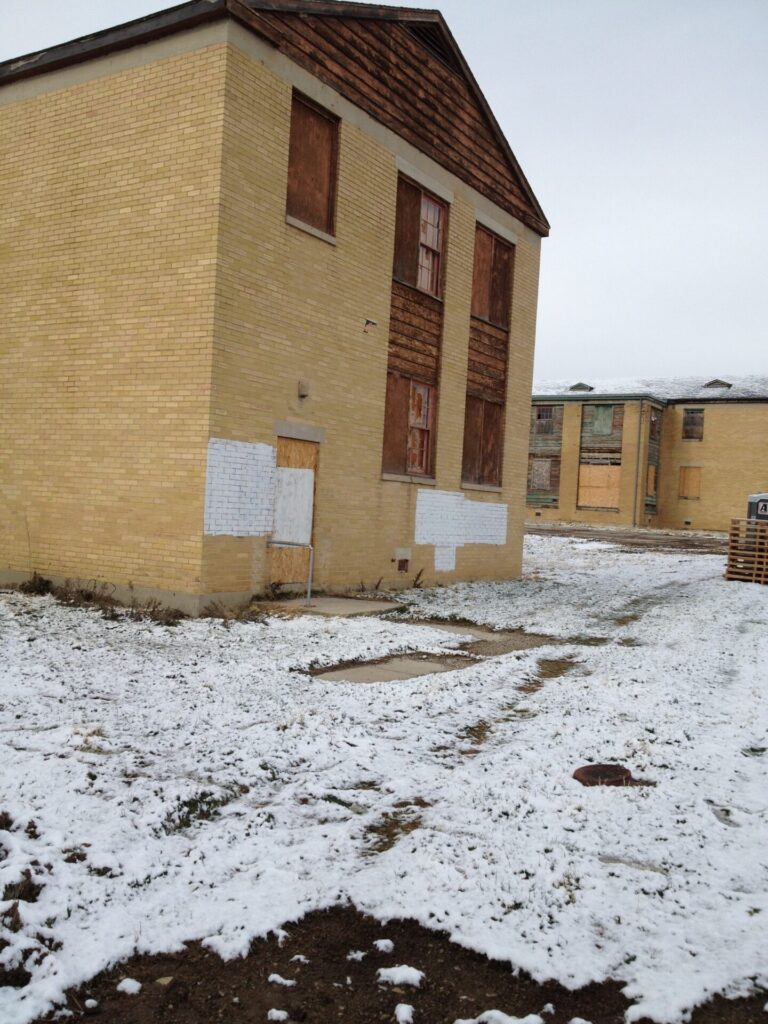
x=197 y=987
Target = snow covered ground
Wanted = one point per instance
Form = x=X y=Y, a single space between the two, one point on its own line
x=196 y=782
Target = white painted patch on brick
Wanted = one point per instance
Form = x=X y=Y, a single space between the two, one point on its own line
x=239 y=488
x=449 y=520
x=445 y=559
x=294 y=502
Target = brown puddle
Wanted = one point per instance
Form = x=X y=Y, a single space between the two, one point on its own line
x=397 y=667
x=480 y=643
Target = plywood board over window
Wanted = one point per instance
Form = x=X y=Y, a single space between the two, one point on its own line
x=599 y=486
x=690 y=482
x=312 y=165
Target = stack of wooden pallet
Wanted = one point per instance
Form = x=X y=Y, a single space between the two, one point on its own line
x=748 y=551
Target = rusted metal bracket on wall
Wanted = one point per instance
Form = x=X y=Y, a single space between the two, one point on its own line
x=310 y=574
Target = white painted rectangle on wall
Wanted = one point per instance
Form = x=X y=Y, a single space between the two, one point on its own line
x=294 y=505
x=449 y=520
x=239 y=488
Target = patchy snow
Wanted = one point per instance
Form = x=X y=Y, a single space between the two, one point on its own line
x=356 y=954
x=196 y=782
x=404 y=1013
x=129 y=986
x=274 y=1014
x=667 y=388
x=384 y=945
x=278 y=979
x=400 y=975
x=497 y=1017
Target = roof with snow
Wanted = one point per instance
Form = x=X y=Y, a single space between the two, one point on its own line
x=665 y=389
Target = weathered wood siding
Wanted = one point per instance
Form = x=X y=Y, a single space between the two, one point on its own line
x=388 y=70
x=487 y=370
x=415 y=327
x=544 y=456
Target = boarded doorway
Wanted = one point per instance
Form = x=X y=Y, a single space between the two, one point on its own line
x=294 y=510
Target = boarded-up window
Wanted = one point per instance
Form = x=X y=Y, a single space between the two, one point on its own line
x=650 y=481
x=483 y=442
x=409 y=418
x=492 y=278
x=693 y=424
x=420 y=223
x=599 y=486
x=312 y=165
x=602 y=419
x=541 y=474
x=690 y=482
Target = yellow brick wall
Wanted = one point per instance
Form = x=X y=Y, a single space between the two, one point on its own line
x=631 y=493
x=154 y=297
x=733 y=456
x=291 y=306
x=108 y=227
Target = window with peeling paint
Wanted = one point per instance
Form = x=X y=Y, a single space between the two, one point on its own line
x=420 y=223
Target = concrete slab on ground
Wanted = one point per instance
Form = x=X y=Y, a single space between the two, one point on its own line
x=333 y=606
x=393 y=669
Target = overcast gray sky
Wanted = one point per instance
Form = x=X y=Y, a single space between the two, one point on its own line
x=642 y=126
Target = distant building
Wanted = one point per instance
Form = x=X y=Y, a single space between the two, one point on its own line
x=678 y=453
x=269 y=277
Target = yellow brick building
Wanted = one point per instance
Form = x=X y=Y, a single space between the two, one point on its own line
x=678 y=453
x=199 y=376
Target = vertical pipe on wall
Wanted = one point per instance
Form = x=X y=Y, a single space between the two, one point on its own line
x=637 y=460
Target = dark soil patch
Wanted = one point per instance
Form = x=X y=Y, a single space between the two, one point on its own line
x=25 y=889
x=386 y=832
x=330 y=988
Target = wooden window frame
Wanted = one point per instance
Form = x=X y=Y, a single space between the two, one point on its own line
x=693 y=429
x=405 y=433
x=328 y=227
x=547 y=420
x=422 y=246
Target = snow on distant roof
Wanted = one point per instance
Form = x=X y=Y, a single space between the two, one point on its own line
x=666 y=388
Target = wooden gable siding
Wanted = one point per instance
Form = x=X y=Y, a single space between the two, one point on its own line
x=487 y=369
x=415 y=328
x=384 y=69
